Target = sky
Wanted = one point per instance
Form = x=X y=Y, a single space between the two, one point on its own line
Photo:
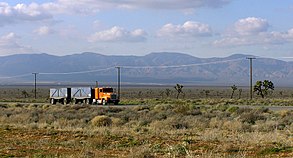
x=202 y=28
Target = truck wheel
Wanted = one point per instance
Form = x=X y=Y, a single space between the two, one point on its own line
x=53 y=101
x=103 y=102
x=116 y=103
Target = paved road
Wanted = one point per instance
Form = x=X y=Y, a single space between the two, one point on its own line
x=273 y=108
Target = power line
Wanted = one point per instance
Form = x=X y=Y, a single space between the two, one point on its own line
x=177 y=66
x=76 y=72
x=126 y=67
x=16 y=76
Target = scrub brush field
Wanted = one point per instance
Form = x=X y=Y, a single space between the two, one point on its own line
x=149 y=126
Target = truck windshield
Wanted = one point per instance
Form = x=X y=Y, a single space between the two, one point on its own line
x=108 y=90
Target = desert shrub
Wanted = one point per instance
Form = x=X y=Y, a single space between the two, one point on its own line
x=141 y=152
x=265 y=126
x=215 y=122
x=46 y=106
x=34 y=116
x=198 y=122
x=174 y=123
x=245 y=127
x=32 y=106
x=222 y=107
x=232 y=109
x=285 y=120
x=209 y=114
x=162 y=107
x=20 y=118
x=68 y=124
x=15 y=105
x=251 y=117
x=99 y=142
x=261 y=110
x=102 y=120
x=161 y=115
x=141 y=108
x=127 y=115
x=286 y=117
x=232 y=125
x=3 y=106
x=180 y=109
x=117 y=122
x=178 y=150
x=178 y=122
x=194 y=112
x=243 y=110
x=114 y=109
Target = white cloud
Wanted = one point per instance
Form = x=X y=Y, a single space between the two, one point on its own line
x=172 y=4
x=44 y=30
x=188 y=29
x=43 y=11
x=232 y=41
x=9 y=45
x=262 y=38
x=22 y=12
x=253 y=31
x=118 y=34
x=251 y=25
x=93 y=6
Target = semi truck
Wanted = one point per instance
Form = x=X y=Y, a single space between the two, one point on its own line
x=87 y=95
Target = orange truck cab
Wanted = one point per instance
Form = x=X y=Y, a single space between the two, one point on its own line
x=105 y=95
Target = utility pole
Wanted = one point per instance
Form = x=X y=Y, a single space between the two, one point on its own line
x=118 y=80
x=250 y=62
x=35 y=73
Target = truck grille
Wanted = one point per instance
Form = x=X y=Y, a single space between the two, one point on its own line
x=113 y=96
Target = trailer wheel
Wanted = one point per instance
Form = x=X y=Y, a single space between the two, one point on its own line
x=74 y=101
x=65 y=101
x=53 y=101
x=88 y=101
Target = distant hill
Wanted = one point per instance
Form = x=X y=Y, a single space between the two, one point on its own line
x=159 y=68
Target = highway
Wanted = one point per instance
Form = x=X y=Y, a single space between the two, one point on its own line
x=272 y=108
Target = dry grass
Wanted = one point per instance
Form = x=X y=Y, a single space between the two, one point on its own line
x=177 y=129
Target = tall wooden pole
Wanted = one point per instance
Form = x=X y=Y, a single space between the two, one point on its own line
x=35 y=84
x=250 y=63
x=118 y=80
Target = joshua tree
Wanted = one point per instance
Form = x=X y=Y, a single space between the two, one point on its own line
x=207 y=92
x=167 y=92
x=281 y=93
x=263 y=87
x=234 y=88
x=139 y=94
x=240 y=92
x=178 y=88
x=24 y=93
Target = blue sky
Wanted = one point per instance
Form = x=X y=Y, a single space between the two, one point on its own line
x=202 y=28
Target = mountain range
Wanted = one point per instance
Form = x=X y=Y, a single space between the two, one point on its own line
x=154 y=68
